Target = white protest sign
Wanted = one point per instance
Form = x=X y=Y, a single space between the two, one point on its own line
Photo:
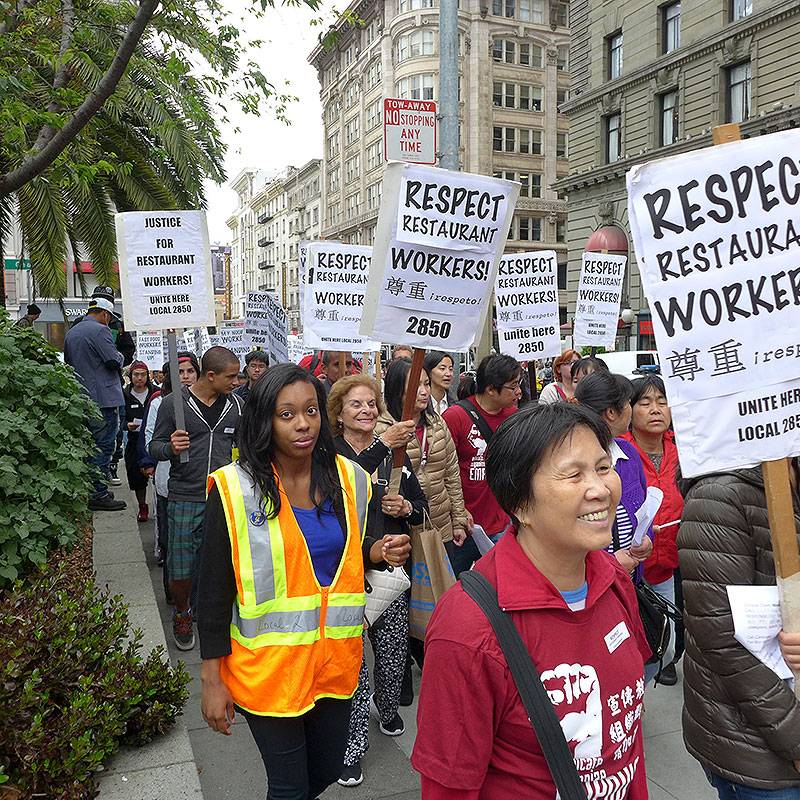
x=302 y=259
x=231 y=335
x=439 y=239
x=297 y=349
x=597 y=303
x=150 y=349
x=265 y=325
x=526 y=304
x=165 y=269
x=207 y=340
x=717 y=239
x=336 y=280
x=409 y=130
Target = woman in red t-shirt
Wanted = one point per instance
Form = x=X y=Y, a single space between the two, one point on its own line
x=575 y=608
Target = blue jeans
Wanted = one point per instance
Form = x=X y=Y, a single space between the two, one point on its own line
x=104 y=432
x=727 y=790
x=667 y=590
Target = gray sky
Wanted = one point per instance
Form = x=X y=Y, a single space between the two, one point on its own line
x=263 y=142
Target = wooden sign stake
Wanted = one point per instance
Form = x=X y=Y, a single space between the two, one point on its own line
x=378 y=371
x=780 y=509
x=412 y=386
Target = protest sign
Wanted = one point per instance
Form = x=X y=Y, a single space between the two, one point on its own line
x=526 y=304
x=150 y=349
x=439 y=239
x=717 y=241
x=297 y=349
x=165 y=269
x=265 y=325
x=597 y=303
x=336 y=280
x=231 y=335
x=207 y=340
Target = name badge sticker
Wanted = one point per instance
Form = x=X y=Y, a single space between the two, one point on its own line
x=616 y=636
x=230 y=430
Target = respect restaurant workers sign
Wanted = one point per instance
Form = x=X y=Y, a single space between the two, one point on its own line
x=599 y=295
x=165 y=269
x=265 y=325
x=717 y=237
x=333 y=298
x=526 y=300
x=439 y=239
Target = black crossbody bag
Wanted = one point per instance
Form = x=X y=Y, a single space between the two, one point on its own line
x=534 y=697
x=475 y=415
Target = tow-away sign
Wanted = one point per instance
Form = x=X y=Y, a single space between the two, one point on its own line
x=409 y=130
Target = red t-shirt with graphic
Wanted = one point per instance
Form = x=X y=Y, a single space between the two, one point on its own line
x=474 y=740
x=471 y=449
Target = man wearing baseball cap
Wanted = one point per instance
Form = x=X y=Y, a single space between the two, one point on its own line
x=90 y=350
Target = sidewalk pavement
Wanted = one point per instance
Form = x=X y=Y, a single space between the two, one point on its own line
x=164 y=769
x=230 y=767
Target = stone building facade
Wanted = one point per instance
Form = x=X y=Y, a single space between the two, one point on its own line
x=651 y=80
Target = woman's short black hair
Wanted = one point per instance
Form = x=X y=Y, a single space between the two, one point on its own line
x=434 y=358
x=641 y=386
x=394 y=387
x=520 y=444
x=603 y=390
x=495 y=371
x=592 y=363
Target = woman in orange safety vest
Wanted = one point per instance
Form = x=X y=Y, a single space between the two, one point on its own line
x=281 y=585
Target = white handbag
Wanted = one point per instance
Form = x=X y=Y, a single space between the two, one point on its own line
x=382 y=588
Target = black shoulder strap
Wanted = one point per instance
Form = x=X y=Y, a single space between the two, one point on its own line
x=531 y=691
x=480 y=423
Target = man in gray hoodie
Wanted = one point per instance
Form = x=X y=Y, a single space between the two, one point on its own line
x=212 y=416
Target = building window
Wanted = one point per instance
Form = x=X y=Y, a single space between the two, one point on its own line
x=529 y=229
x=614 y=44
x=334 y=211
x=506 y=175
x=504 y=50
x=416 y=43
x=371 y=32
x=374 y=195
x=562 y=59
x=530 y=142
x=739 y=92
x=562 y=277
x=373 y=114
x=562 y=150
x=561 y=231
x=413 y=5
x=562 y=95
x=672 y=26
x=503 y=8
x=333 y=178
x=741 y=9
x=416 y=87
x=374 y=155
x=530 y=98
x=349 y=55
x=531 y=184
x=562 y=15
x=668 y=110
x=503 y=140
x=351 y=204
x=374 y=74
x=531 y=11
x=351 y=94
x=351 y=169
x=333 y=111
x=333 y=145
x=351 y=131
x=613 y=138
x=504 y=95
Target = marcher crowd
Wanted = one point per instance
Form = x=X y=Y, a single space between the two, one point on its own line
x=294 y=496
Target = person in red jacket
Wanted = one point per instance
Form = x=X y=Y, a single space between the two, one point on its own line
x=651 y=434
x=575 y=608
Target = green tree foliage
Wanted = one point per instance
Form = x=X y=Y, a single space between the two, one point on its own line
x=44 y=478
x=113 y=104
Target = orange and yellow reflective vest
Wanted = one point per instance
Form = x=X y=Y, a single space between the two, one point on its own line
x=293 y=641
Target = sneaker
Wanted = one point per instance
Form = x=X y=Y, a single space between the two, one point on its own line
x=182 y=630
x=113 y=479
x=106 y=503
x=395 y=726
x=351 y=776
x=144 y=513
x=668 y=676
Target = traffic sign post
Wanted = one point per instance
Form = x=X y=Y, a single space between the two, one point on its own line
x=409 y=130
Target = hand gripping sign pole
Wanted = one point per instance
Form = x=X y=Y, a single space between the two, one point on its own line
x=780 y=510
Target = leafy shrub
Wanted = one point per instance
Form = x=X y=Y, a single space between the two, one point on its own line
x=44 y=478
x=73 y=686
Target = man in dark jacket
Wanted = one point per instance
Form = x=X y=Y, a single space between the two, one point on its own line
x=740 y=720
x=256 y=364
x=212 y=415
x=89 y=349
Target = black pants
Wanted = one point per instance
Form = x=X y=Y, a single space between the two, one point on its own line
x=302 y=755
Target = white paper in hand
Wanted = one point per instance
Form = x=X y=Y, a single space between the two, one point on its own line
x=757 y=622
x=646 y=513
x=481 y=539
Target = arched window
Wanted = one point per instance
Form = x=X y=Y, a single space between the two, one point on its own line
x=416 y=43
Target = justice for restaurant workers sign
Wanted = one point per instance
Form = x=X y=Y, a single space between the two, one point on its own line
x=599 y=295
x=526 y=304
x=717 y=238
x=265 y=325
x=165 y=269
x=439 y=239
x=150 y=349
x=231 y=335
x=336 y=280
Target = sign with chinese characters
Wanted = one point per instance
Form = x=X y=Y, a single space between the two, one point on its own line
x=526 y=305
x=336 y=280
x=265 y=325
x=231 y=335
x=409 y=130
x=717 y=239
x=150 y=349
x=597 y=303
x=165 y=269
x=439 y=239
